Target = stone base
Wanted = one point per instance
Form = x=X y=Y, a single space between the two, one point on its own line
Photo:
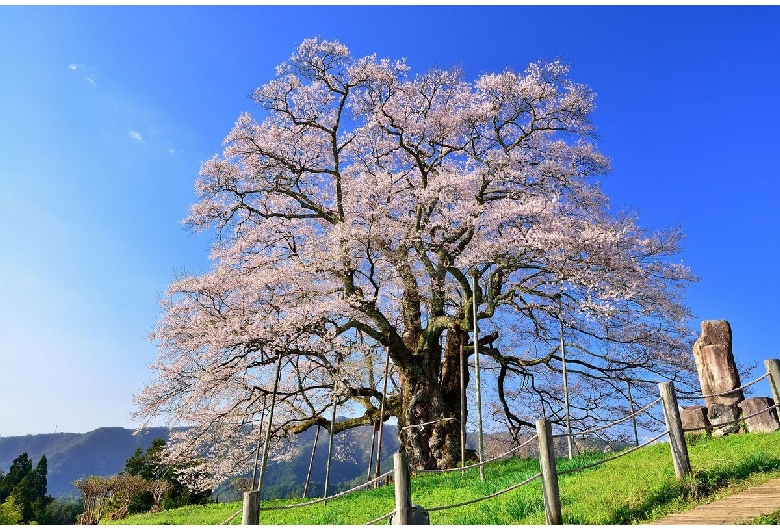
x=719 y=414
x=694 y=420
x=764 y=421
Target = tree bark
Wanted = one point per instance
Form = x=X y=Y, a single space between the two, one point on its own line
x=431 y=393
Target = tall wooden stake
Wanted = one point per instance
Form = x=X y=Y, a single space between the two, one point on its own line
x=633 y=417
x=374 y=429
x=311 y=462
x=382 y=416
x=565 y=378
x=481 y=439
x=463 y=368
x=267 y=442
x=257 y=453
x=332 y=433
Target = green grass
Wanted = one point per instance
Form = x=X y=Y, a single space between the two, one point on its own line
x=639 y=487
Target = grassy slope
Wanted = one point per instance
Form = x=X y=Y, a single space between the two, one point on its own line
x=638 y=487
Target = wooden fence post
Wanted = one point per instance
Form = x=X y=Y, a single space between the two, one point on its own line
x=403 y=489
x=251 y=508
x=682 y=465
x=773 y=368
x=552 y=501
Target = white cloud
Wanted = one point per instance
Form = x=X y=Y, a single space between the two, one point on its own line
x=73 y=66
x=135 y=135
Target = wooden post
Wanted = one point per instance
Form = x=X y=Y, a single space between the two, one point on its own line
x=374 y=429
x=382 y=418
x=480 y=435
x=251 y=513
x=633 y=415
x=463 y=367
x=773 y=368
x=311 y=462
x=682 y=465
x=552 y=500
x=403 y=489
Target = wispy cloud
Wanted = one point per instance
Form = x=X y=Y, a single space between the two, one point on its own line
x=135 y=135
x=90 y=77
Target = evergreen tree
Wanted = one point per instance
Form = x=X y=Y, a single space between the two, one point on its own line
x=20 y=468
x=40 y=484
x=149 y=464
x=27 y=489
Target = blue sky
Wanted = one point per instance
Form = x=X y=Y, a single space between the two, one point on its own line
x=108 y=112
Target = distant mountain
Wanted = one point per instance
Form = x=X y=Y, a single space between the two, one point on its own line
x=104 y=452
x=71 y=456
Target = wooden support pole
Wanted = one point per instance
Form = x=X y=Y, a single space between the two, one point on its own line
x=480 y=435
x=682 y=465
x=403 y=489
x=382 y=418
x=311 y=462
x=552 y=500
x=251 y=513
x=773 y=368
x=462 y=336
x=633 y=414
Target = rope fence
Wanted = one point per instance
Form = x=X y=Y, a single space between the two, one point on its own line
x=617 y=422
x=614 y=457
x=732 y=422
x=719 y=394
x=489 y=460
x=486 y=497
x=326 y=499
x=547 y=459
x=385 y=516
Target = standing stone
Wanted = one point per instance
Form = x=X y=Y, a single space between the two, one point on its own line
x=765 y=421
x=716 y=366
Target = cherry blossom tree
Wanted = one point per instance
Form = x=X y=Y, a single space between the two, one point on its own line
x=350 y=221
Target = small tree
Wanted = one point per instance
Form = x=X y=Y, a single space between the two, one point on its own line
x=10 y=512
x=95 y=492
x=157 y=489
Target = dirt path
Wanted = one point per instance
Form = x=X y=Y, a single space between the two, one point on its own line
x=737 y=508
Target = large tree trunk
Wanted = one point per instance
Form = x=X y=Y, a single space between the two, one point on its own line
x=431 y=393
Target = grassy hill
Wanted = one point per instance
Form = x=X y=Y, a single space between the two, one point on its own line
x=638 y=487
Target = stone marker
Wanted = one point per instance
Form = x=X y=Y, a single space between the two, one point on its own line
x=717 y=372
x=765 y=421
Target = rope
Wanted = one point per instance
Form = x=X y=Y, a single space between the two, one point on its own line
x=614 y=457
x=496 y=494
x=386 y=516
x=428 y=423
x=725 y=393
x=337 y=495
x=717 y=425
x=226 y=521
x=470 y=466
x=616 y=422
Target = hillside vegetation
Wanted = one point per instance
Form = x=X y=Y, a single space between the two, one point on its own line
x=638 y=487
